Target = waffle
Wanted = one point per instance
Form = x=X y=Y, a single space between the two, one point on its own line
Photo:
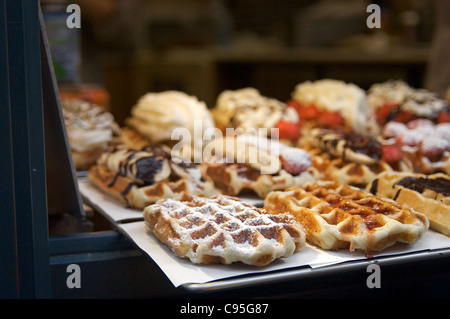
x=336 y=104
x=345 y=144
x=395 y=100
x=140 y=178
x=222 y=230
x=339 y=216
x=133 y=139
x=247 y=109
x=424 y=143
x=348 y=158
x=427 y=194
x=229 y=163
x=328 y=168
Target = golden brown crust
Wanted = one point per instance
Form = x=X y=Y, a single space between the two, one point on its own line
x=133 y=139
x=337 y=216
x=141 y=177
x=125 y=189
x=430 y=202
x=248 y=163
x=237 y=178
x=330 y=168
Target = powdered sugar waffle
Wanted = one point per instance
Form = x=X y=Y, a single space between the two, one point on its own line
x=222 y=229
x=234 y=172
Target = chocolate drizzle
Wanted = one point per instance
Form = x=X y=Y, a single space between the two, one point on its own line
x=374 y=187
x=363 y=145
x=147 y=168
x=342 y=143
x=439 y=185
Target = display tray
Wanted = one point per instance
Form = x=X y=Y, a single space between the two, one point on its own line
x=309 y=261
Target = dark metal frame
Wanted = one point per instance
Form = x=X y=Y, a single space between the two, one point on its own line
x=24 y=225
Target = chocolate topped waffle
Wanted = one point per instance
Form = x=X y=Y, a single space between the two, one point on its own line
x=427 y=194
x=345 y=144
x=339 y=216
x=140 y=178
x=222 y=230
x=350 y=158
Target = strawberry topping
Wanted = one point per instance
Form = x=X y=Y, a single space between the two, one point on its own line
x=404 y=117
x=308 y=112
x=328 y=118
x=444 y=117
x=433 y=147
x=288 y=130
x=383 y=113
x=295 y=160
x=391 y=153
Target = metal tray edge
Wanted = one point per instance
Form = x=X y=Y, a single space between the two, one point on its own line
x=308 y=272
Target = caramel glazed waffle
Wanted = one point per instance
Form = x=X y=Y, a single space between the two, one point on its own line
x=347 y=157
x=427 y=194
x=222 y=229
x=335 y=216
x=140 y=178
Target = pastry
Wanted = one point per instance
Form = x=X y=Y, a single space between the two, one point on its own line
x=349 y=158
x=333 y=103
x=165 y=117
x=427 y=194
x=222 y=230
x=339 y=216
x=249 y=111
x=90 y=130
x=397 y=101
x=133 y=139
x=243 y=163
x=425 y=144
x=140 y=178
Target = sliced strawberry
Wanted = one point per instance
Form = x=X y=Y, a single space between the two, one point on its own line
x=433 y=147
x=444 y=117
x=288 y=130
x=382 y=114
x=404 y=117
x=391 y=153
x=328 y=118
x=308 y=112
x=295 y=104
x=295 y=160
